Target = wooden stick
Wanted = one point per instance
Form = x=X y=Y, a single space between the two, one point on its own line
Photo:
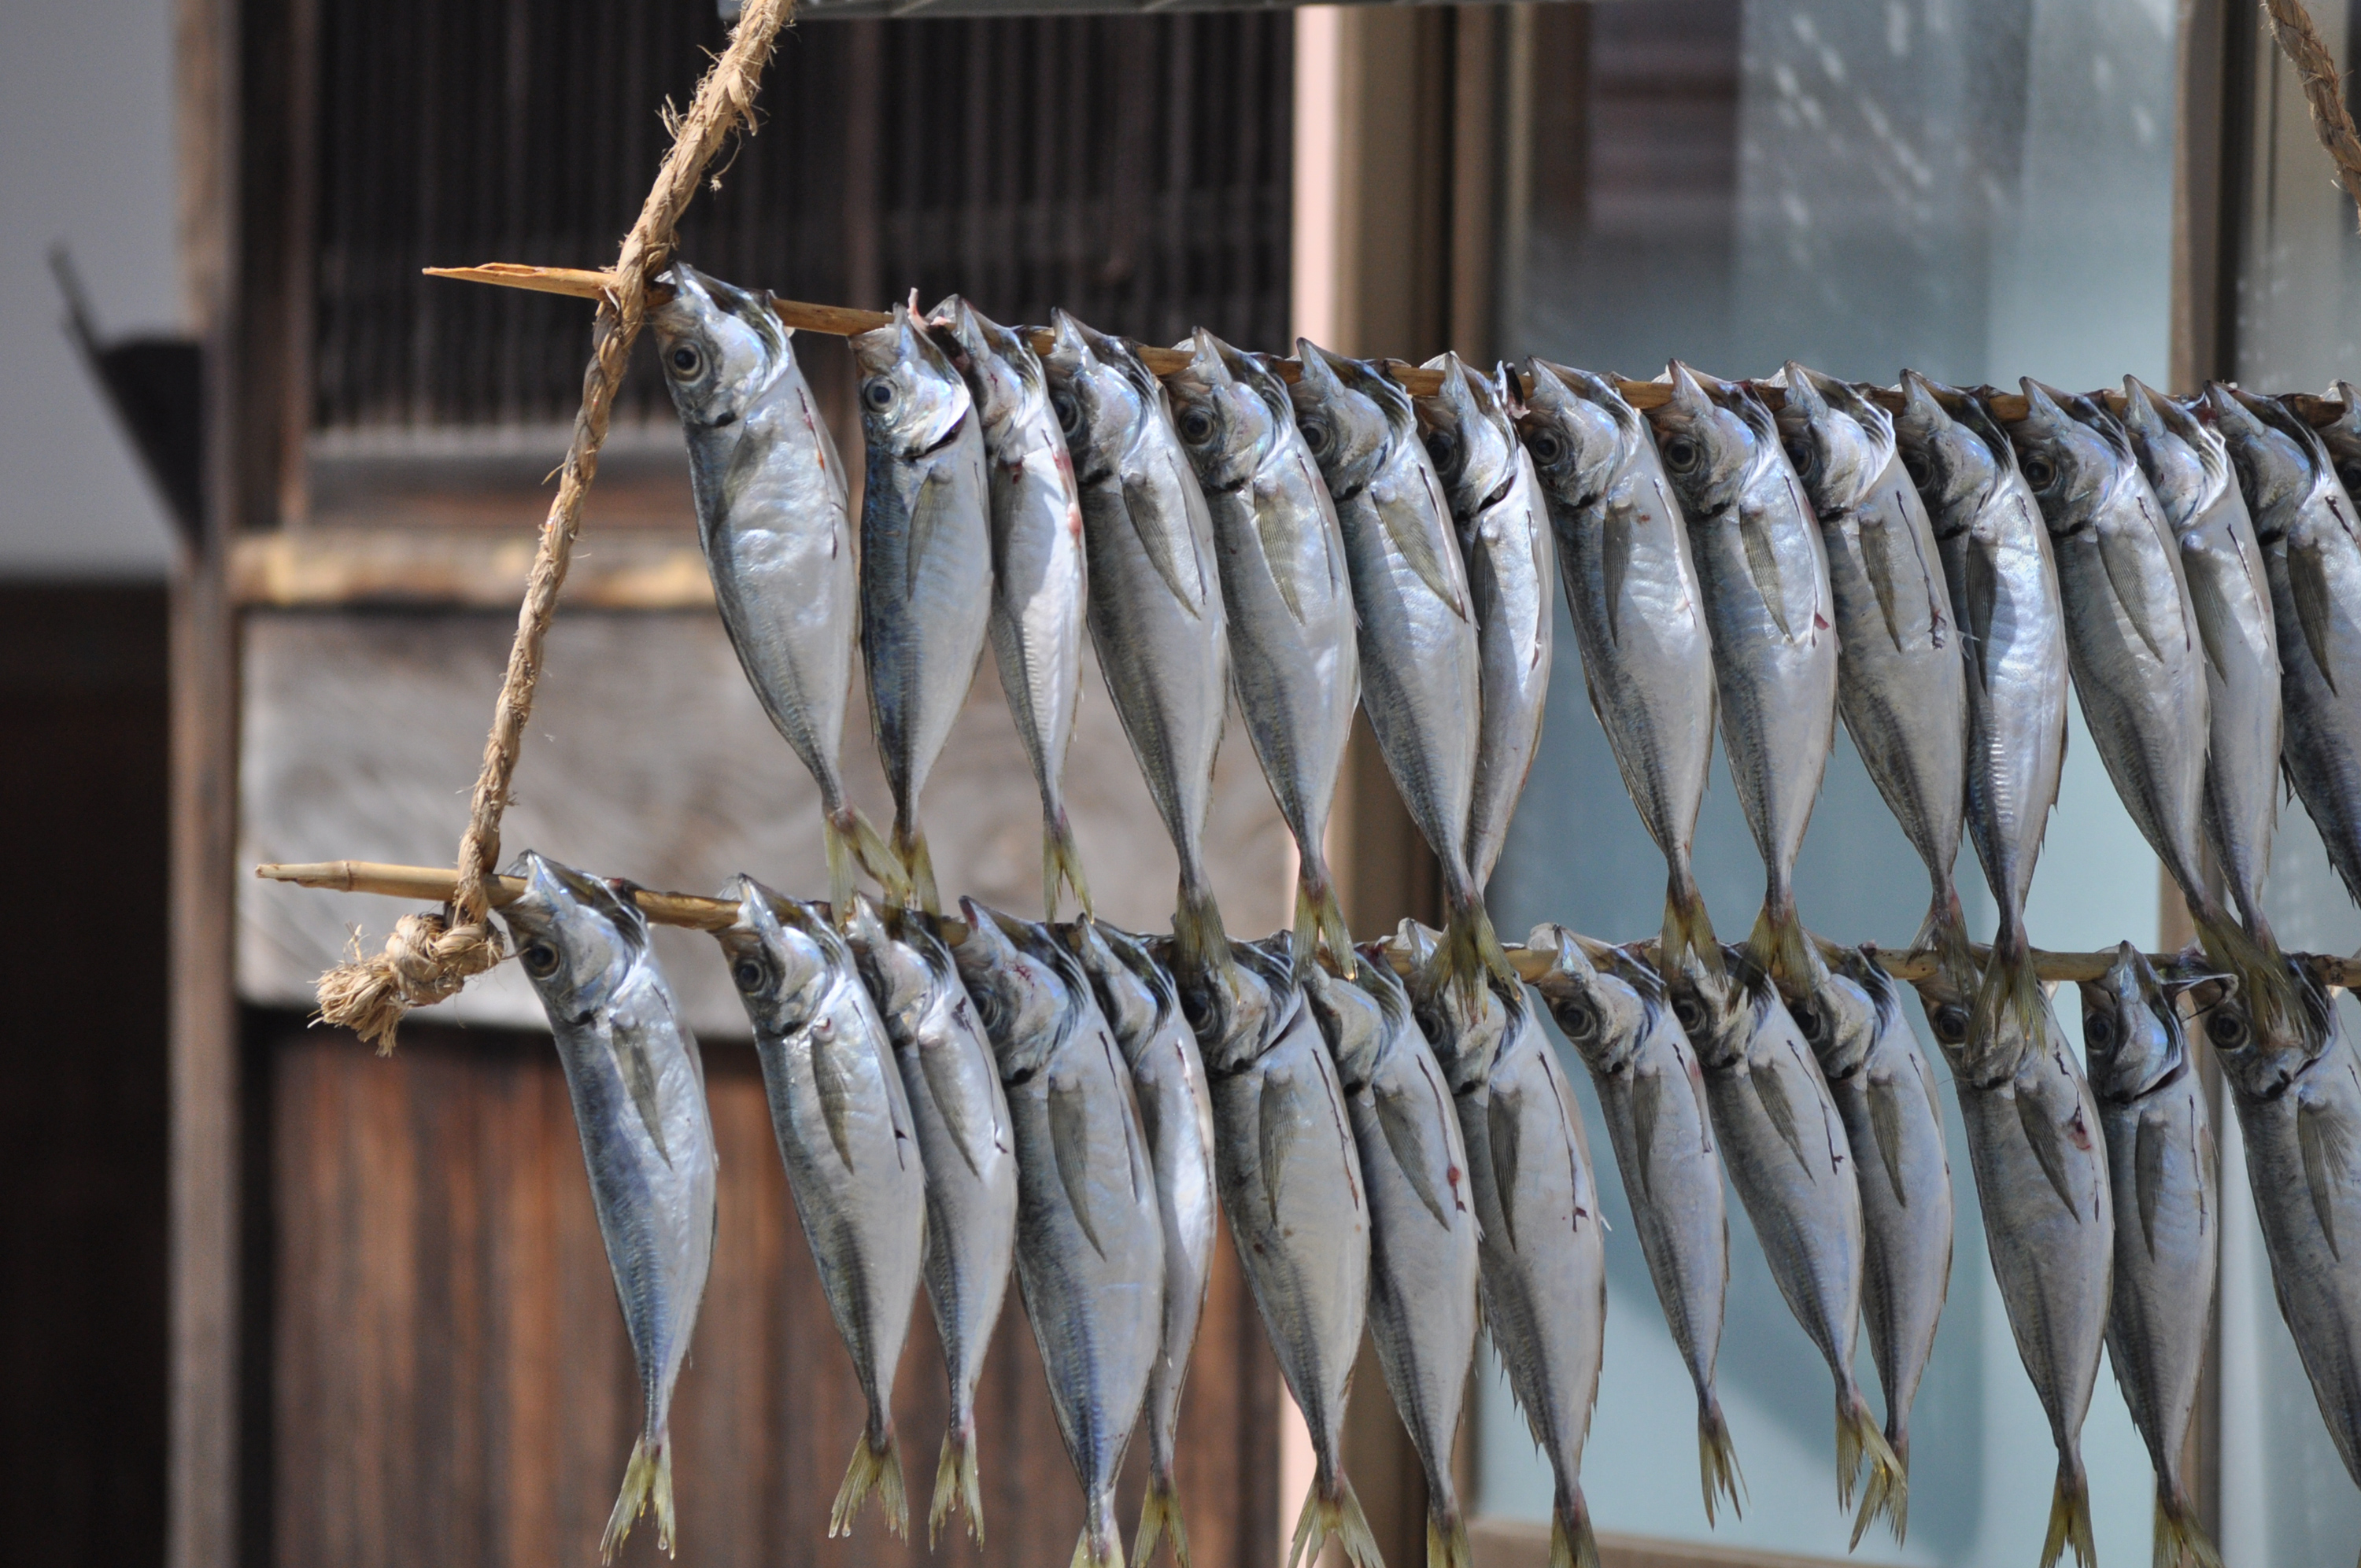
x=844 y=321
x=436 y=883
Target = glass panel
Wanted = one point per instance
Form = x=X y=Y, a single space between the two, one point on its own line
x=1977 y=192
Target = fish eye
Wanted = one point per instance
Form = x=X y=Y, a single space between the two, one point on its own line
x=878 y=393
x=1810 y=1019
x=2226 y=1028
x=1951 y=1022
x=1444 y=448
x=748 y=974
x=1682 y=454
x=1196 y=426
x=1915 y=464
x=2038 y=471
x=1316 y=436
x=539 y=957
x=1689 y=1015
x=1069 y=412
x=685 y=360
x=2349 y=475
x=1546 y=446
x=1579 y=1021
x=2098 y=1030
x=1799 y=455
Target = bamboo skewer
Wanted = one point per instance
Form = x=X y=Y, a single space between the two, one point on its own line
x=433 y=884
x=844 y=320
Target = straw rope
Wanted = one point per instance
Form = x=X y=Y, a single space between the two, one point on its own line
x=2324 y=88
x=430 y=956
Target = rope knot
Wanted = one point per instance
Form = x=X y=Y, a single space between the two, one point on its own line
x=425 y=961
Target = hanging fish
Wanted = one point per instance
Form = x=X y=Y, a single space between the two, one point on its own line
x=1288 y=1171
x=2034 y=1144
x=1141 y=1004
x=1423 y=1246
x=1886 y=1092
x=1541 y=1244
x=1420 y=657
x=1293 y=663
x=637 y=1083
x=776 y=533
x=1764 y=573
x=926 y=567
x=965 y=1146
x=1902 y=683
x=2188 y=466
x=1090 y=1245
x=846 y=1137
x=1505 y=543
x=2167 y=1237
x=1639 y=615
x=1156 y=613
x=1038 y=584
x=1788 y=1154
x=1612 y=1009
x=2342 y=436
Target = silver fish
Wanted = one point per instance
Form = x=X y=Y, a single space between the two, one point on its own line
x=2160 y=1164
x=2342 y=436
x=1612 y=1009
x=1639 y=616
x=926 y=567
x=1294 y=661
x=2298 y=1096
x=1156 y=612
x=1288 y=1171
x=2035 y=1145
x=638 y=1087
x=1765 y=576
x=846 y=1138
x=2311 y=555
x=1039 y=580
x=2002 y=578
x=775 y=528
x=1420 y=659
x=968 y=1152
x=1885 y=1090
x=1511 y=559
x=1423 y=1246
x=1176 y=1111
x=1788 y=1154
x=2188 y=466
x=1902 y=683
x=1540 y=1246
x=1090 y=1245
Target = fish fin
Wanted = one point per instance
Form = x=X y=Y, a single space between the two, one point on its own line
x=1062 y=863
x=1689 y=927
x=1776 y=1105
x=1877 y=556
x=1069 y=1144
x=1414 y=1153
x=1099 y=1547
x=1279 y=560
x=1470 y=951
x=952 y=1103
x=638 y=1074
x=1573 y=1543
x=1983 y=609
x=1500 y=1134
x=1779 y=946
x=2044 y=1137
x=874 y=1468
x=1859 y=1439
x=1886 y=1127
x=2121 y=557
x=1446 y=1542
x=1185 y=577
x=1945 y=929
x=918 y=880
x=1199 y=943
x=1718 y=1460
x=647 y=1482
x=2315 y=605
x=2181 y=1540
x=2069 y=1517
x=2008 y=1003
x=834 y=1083
x=1274 y=1139
x=1423 y=552
x=850 y=839
x=2147 y=1172
x=1320 y=920
x=956 y=1487
x=2324 y=1145
x=1647 y=1099
x=1339 y=1516
x=1159 y=1515
x=1615 y=539
x=1763 y=565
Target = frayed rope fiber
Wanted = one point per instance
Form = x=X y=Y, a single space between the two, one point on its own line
x=431 y=956
x=2324 y=88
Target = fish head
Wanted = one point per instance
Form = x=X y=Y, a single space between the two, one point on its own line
x=780 y=960
x=1352 y=1022
x=1101 y=409
x=1002 y=373
x=913 y=399
x=2132 y=1040
x=1710 y=451
x=1343 y=427
x=721 y=347
x=2185 y=462
x=575 y=937
x=1024 y=1002
x=1468 y=437
x=1709 y=1007
x=1839 y=1019
x=2071 y=465
x=1466 y=1028
x=1233 y=1011
x=1955 y=463
x=1577 y=429
x=897 y=973
x=2279 y=463
x=1225 y=424
x=1601 y=1014
x=2262 y=1061
x=1839 y=442
x=2342 y=436
x=1132 y=1005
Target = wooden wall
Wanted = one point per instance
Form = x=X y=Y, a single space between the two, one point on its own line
x=451 y=1383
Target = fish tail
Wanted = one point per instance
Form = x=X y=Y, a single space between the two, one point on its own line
x=2264 y=983
x=1100 y=1546
x=876 y=1466
x=918 y=884
x=1946 y=931
x=957 y=1486
x=1689 y=927
x=647 y=1481
x=1573 y=1543
x=851 y=839
x=2180 y=1541
x=1470 y=952
x=1061 y=863
x=1446 y=1541
x=1779 y=946
x=2010 y=990
x=1717 y=1459
x=1159 y=1515
x=1336 y=1515
x=2069 y=1516
x=1199 y=942
x=1320 y=919
x=1859 y=1439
